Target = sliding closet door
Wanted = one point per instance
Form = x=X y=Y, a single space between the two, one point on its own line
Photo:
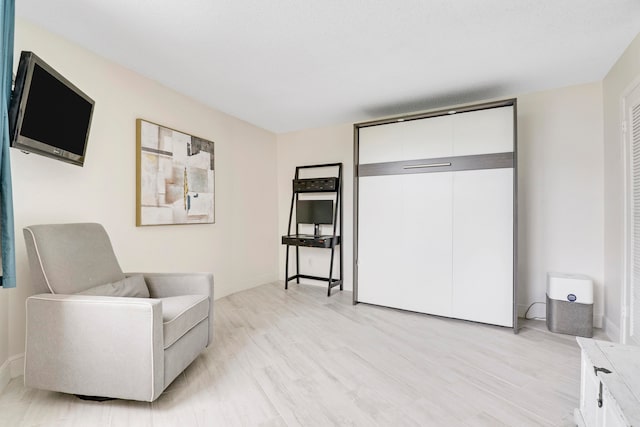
x=405 y=256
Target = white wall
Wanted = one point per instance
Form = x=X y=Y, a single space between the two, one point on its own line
x=239 y=248
x=560 y=188
x=622 y=75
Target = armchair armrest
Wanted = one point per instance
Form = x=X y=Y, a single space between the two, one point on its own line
x=163 y=285
x=95 y=346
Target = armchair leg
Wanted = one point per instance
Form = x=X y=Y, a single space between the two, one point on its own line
x=94 y=398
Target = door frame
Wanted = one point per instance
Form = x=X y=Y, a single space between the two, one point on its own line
x=626 y=316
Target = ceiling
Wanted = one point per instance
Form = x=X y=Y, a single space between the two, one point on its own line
x=286 y=65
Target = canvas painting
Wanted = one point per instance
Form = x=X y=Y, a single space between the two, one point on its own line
x=175 y=177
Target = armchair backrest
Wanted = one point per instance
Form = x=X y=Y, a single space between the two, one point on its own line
x=70 y=258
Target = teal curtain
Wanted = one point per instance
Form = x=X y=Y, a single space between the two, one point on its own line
x=7 y=233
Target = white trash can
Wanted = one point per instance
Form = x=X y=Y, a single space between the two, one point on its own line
x=570 y=304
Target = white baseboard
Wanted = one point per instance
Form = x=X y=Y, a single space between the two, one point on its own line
x=16 y=364
x=13 y=367
x=597 y=321
x=5 y=375
x=537 y=310
x=612 y=330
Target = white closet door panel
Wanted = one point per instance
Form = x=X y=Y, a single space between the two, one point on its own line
x=426 y=227
x=380 y=204
x=484 y=131
x=483 y=246
x=415 y=139
x=404 y=242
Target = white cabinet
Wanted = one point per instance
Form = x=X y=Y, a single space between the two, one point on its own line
x=613 y=416
x=610 y=386
x=483 y=131
x=405 y=140
x=435 y=214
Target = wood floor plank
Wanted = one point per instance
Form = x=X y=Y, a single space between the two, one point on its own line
x=298 y=358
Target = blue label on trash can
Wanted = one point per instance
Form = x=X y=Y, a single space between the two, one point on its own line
x=572 y=297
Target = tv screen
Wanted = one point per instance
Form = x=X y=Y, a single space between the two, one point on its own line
x=314 y=211
x=48 y=115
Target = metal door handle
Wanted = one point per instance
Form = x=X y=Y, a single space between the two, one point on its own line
x=603 y=370
x=429 y=165
x=600 y=396
x=597 y=369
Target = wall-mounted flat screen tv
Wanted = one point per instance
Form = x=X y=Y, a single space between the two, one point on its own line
x=48 y=115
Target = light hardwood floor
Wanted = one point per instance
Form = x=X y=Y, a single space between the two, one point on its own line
x=298 y=358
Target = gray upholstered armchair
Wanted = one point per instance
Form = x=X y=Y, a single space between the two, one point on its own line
x=82 y=341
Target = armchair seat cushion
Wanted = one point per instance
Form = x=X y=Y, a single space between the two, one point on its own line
x=180 y=314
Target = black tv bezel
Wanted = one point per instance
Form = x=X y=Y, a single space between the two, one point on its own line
x=19 y=97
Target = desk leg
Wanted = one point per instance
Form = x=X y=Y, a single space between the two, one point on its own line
x=286 y=270
x=297 y=265
x=341 y=269
x=333 y=249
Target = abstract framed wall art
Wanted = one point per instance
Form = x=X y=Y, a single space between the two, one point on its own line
x=174 y=177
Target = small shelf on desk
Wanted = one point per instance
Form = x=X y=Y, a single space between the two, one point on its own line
x=316 y=185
